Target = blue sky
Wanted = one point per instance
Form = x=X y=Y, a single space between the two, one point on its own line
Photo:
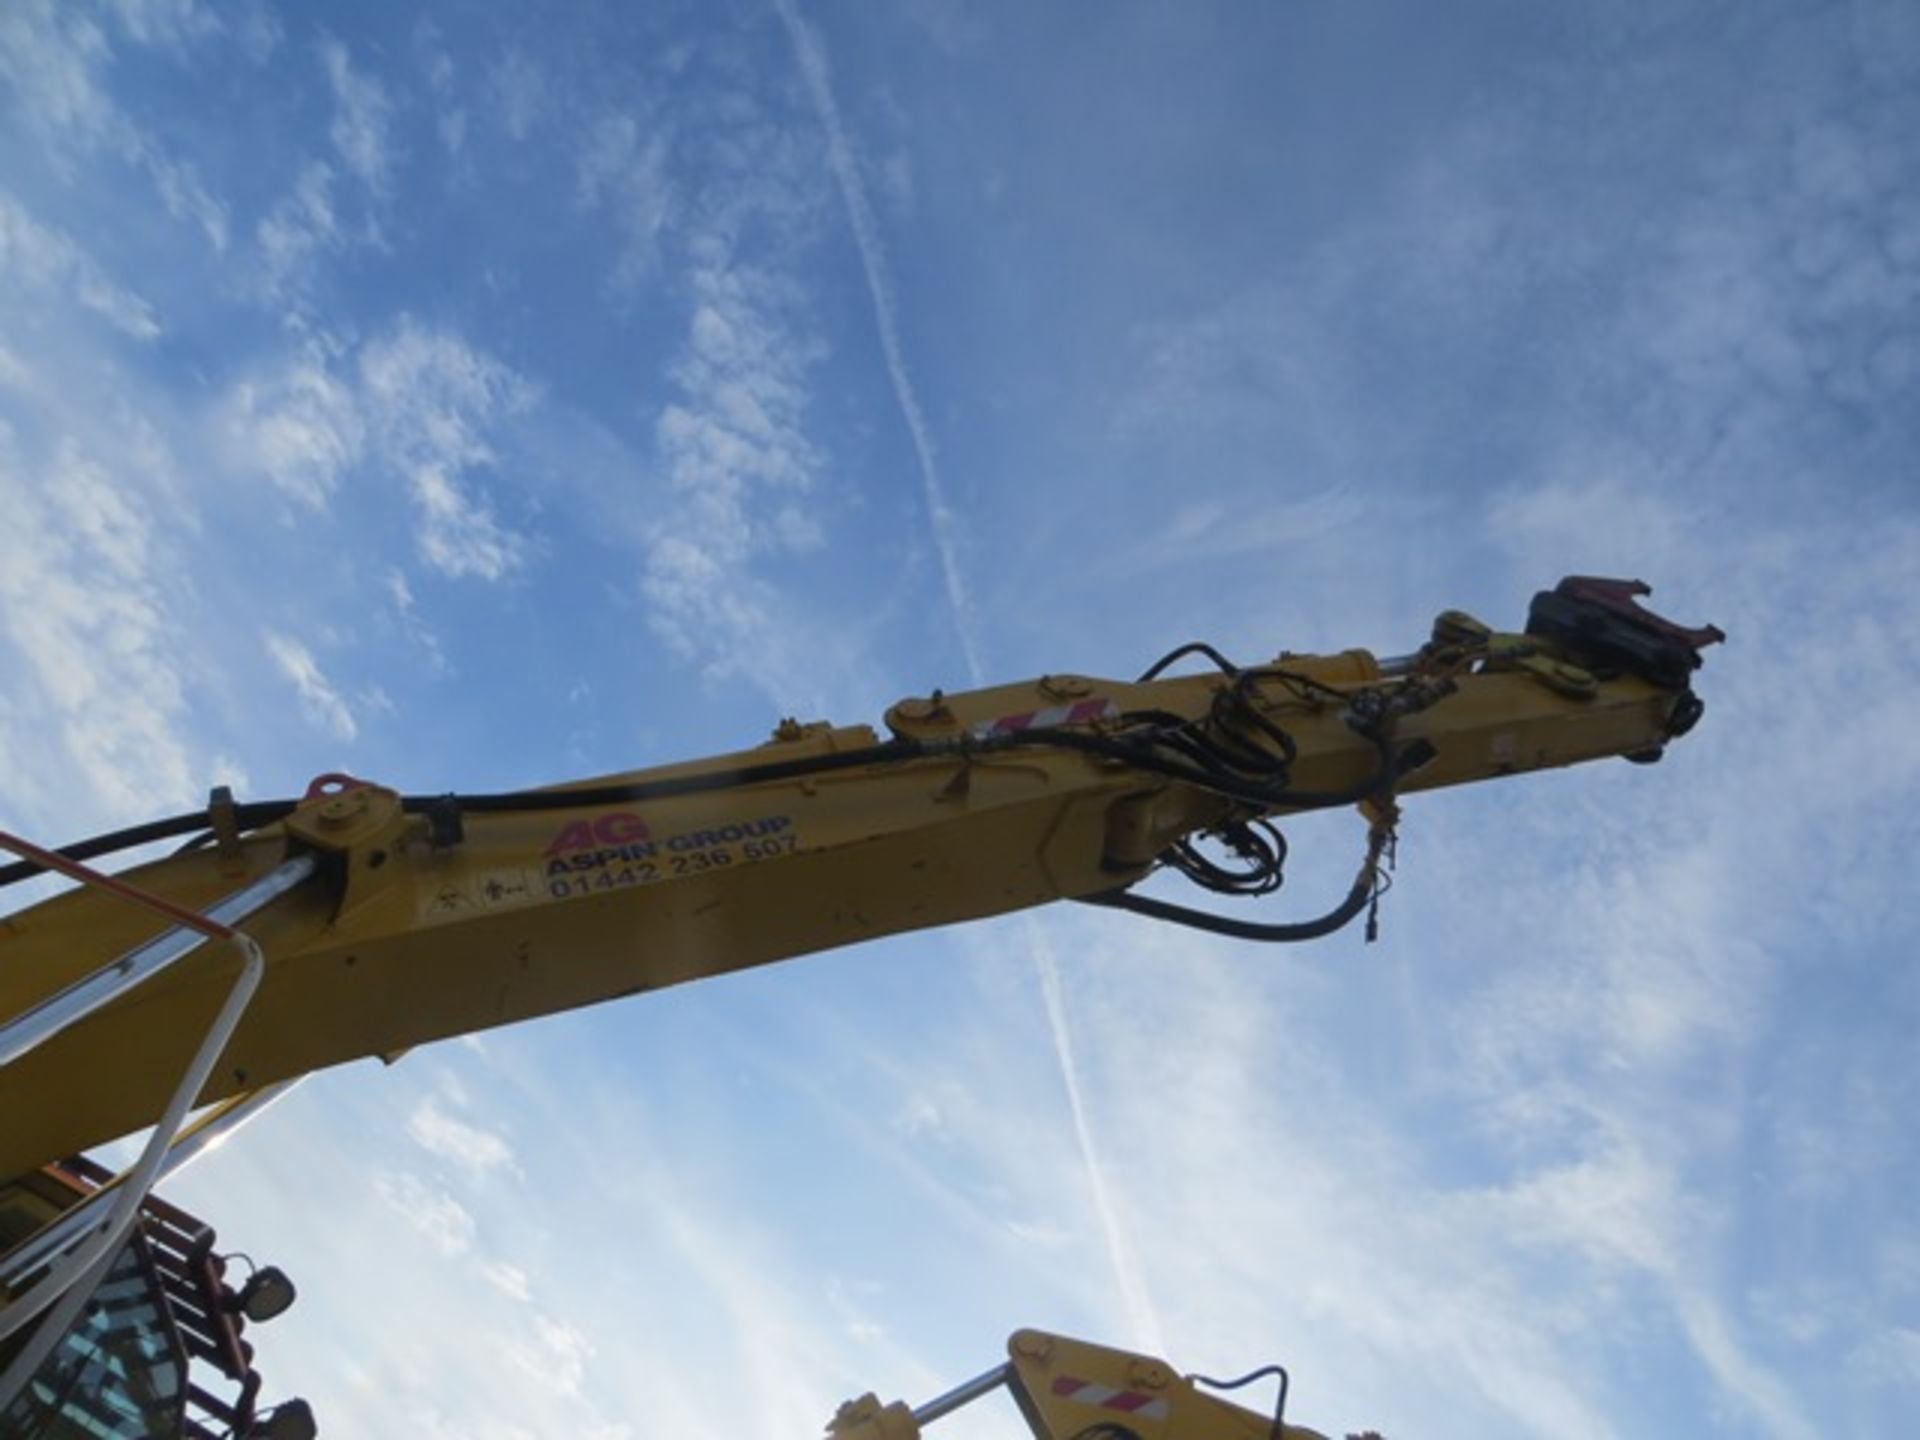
x=472 y=397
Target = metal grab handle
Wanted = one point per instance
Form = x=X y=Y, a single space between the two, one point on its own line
x=67 y=1287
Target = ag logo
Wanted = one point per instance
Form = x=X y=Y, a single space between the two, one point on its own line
x=622 y=827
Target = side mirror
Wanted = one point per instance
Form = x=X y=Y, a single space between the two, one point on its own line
x=289 y=1420
x=267 y=1293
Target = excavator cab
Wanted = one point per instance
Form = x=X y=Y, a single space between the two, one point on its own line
x=159 y=1350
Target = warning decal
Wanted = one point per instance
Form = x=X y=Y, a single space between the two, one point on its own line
x=1130 y=1402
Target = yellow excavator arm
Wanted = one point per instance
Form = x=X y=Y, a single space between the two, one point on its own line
x=386 y=920
x=1069 y=1389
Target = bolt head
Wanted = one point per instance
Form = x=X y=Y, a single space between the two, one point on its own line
x=1031 y=1346
x=1148 y=1375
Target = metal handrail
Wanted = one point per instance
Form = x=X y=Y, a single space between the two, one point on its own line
x=67 y=1286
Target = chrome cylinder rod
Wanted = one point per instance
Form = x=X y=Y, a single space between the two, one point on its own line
x=34 y=1027
x=206 y=1131
x=214 y=1124
x=963 y=1395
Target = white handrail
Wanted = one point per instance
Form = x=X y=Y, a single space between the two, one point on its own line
x=68 y=1287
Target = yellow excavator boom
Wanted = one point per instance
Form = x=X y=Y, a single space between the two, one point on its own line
x=388 y=920
x=287 y=936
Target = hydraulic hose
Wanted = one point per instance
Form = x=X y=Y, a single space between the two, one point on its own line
x=254 y=815
x=1343 y=914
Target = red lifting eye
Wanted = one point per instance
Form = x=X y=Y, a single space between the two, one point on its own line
x=334 y=783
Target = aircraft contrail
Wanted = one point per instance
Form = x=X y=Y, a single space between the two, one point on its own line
x=873 y=262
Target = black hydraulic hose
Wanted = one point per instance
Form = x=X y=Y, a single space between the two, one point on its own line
x=896 y=751
x=1340 y=916
x=254 y=815
x=1295 y=678
x=116 y=840
x=1390 y=768
x=1193 y=647
x=1280 y=1400
x=1184 y=739
x=521 y=801
x=1343 y=914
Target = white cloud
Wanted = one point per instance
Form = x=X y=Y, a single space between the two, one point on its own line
x=737 y=461
x=302 y=426
x=172 y=24
x=314 y=217
x=452 y=127
x=300 y=227
x=1187 y=1081
x=319 y=699
x=55 y=58
x=257 y=28
x=782 y=1356
x=510 y=1280
x=450 y=118
x=361 y=118
x=187 y=198
x=954 y=26
x=474 y=1149
x=918 y=1116
x=860 y=1327
x=1892 y=1358
x=1613 y=1203
x=732 y=443
x=554 y=1355
x=520 y=92
x=434 y=58
x=14 y=373
x=417 y=630
x=1767 y=1397
x=48 y=260
x=447 y=1224
x=434 y=401
x=416 y=403
x=459 y=534
x=622 y=170
x=84 y=603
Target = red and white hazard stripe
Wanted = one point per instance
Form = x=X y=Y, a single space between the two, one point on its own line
x=1081 y=712
x=1105 y=1397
